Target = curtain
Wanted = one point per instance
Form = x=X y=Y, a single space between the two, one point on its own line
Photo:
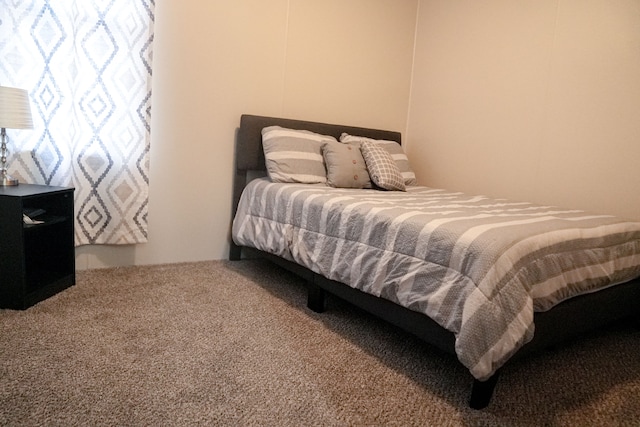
x=87 y=67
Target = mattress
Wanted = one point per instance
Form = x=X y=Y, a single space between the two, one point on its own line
x=477 y=266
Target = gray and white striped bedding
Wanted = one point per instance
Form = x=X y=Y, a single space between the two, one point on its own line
x=479 y=267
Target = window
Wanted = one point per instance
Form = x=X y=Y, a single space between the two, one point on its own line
x=87 y=67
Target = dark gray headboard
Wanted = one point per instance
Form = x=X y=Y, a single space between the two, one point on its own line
x=249 y=154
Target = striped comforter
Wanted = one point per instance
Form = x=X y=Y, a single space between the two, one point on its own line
x=479 y=267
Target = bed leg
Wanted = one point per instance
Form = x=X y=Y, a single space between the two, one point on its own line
x=235 y=252
x=482 y=391
x=315 y=297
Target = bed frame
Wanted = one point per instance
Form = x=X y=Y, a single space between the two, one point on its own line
x=565 y=321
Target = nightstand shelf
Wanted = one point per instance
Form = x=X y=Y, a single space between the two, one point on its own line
x=36 y=260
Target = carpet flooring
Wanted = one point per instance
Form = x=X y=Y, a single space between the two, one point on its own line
x=232 y=343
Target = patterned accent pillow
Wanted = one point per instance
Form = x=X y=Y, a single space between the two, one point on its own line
x=382 y=168
x=345 y=166
x=393 y=148
x=293 y=155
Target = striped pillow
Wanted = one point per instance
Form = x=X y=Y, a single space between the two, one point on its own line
x=382 y=168
x=294 y=155
x=396 y=151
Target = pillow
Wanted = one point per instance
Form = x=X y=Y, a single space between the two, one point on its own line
x=294 y=155
x=396 y=151
x=345 y=166
x=382 y=168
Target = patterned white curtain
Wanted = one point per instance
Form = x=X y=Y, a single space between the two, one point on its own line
x=87 y=67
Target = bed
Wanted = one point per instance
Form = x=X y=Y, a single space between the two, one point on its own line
x=487 y=280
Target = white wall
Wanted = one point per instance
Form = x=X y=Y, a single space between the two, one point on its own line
x=536 y=100
x=333 y=60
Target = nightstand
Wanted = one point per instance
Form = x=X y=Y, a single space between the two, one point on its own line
x=36 y=260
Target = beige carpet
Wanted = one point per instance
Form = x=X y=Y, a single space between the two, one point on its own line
x=232 y=343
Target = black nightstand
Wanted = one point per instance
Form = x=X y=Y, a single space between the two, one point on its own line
x=36 y=260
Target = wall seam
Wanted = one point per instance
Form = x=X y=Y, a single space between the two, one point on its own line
x=405 y=141
x=284 y=60
x=545 y=119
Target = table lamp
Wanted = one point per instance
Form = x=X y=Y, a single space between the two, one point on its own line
x=15 y=113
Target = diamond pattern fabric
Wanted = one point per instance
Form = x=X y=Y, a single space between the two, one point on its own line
x=87 y=67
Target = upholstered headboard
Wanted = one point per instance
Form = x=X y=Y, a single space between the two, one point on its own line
x=249 y=153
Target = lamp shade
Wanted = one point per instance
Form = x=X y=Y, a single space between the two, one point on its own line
x=15 y=112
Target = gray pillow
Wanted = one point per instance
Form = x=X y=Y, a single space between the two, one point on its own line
x=294 y=155
x=382 y=168
x=345 y=166
x=396 y=151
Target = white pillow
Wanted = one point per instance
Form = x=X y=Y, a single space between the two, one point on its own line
x=396 y=151
x=382 y=168
x=293 y=155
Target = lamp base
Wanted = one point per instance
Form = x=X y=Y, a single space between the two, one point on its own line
x=5 y=178
x=7 y=181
